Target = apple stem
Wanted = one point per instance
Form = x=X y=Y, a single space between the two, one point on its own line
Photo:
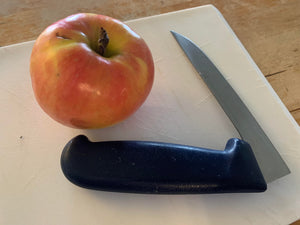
x=103 y=41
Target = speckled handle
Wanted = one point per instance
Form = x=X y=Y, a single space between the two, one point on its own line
x=161 y=168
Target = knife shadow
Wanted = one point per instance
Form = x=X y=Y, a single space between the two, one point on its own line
x=170 y=209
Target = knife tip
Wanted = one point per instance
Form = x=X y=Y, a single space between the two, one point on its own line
x=173 y=32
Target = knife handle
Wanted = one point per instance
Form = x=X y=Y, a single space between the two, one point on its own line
x=161 y=168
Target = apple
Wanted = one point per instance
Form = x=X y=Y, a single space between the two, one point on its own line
x=90 y=71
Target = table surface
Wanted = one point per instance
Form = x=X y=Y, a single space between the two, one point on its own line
x=269 y=30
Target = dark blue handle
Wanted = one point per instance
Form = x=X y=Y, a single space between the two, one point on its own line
x=161 y=168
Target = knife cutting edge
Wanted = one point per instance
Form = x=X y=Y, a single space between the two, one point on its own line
x=165 y=168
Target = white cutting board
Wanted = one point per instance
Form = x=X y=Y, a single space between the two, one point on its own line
x=180 y=109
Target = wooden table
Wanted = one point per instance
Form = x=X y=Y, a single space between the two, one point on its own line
x=269 y=30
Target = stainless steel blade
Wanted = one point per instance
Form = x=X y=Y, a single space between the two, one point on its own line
x=269 y=160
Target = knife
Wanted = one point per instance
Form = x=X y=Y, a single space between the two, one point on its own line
x=164 y=168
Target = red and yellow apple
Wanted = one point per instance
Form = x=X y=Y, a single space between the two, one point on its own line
x=90 y=71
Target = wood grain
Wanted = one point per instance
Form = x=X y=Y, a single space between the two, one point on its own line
x=269 y=30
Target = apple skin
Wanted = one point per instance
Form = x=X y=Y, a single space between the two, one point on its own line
x=78 y=87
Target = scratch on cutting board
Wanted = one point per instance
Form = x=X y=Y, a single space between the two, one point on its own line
x=156 y=131
x=157 y=125
x=261 y=86
x=29 y=181
x=205 y=98
x=158 y=60
x=292 y=153
x=207 y=43
x=9 y=92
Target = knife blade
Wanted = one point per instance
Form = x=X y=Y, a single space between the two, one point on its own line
x=270 y=162
x=166 y=168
